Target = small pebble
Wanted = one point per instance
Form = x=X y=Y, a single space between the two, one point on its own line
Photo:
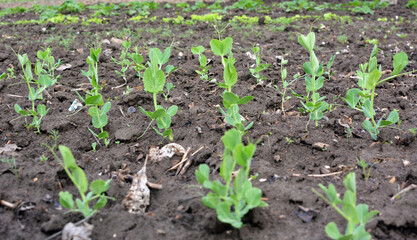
x=131 y=110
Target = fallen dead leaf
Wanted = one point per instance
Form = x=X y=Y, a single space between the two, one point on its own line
x=72 y=232
x=138 y=197
x=166 y=152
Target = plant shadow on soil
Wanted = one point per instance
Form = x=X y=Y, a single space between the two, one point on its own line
x=176 y=211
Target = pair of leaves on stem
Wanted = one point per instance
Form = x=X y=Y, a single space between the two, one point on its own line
x=356 y=215
x=223 y=48
x=232 y=200
x=231 y=102
x=78 y=177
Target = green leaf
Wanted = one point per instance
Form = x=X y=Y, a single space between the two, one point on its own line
x=245 y=100
x=352 y=97
x=400 y=62
x=102 y=201
x=232 y=138
x=157 y=114
x=229 y=73
x=219 y=188
x=19 y=110
x=372 y=64
x=332 y=231
x=103 y=135
x=99 y=186
x=96 y=100
x=227 y=167
x=211 y=200
x=164 y=122
x=80 y=180
x=368 y=111
x=154 y=80
x=374 y=77
x=350 y=182
x=224 y=215
x=197 y=50
x=67 y=156
x=240 y=180
x=41 y=109
x=66 y=200
x=253 y=197
x=202 y=174
x=392 y=118
x=172 y=110
x=374 y=51
x=221 y=48
x=229 y=99
x=241 y=157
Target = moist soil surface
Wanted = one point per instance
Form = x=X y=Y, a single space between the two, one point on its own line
x=287 y=161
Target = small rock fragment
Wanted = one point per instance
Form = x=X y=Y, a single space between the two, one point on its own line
x=406 y=163
x=116 y=41
x=72 y=232
x=321 y=146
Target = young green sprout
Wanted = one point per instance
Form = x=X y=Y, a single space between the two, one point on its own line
x=357 y=216
x=363 y=99
x=44 y=78
x=256 y=71
x=154 y=82
x=314 y=80
x=284 y=85
x=233 y=197
x=202 y=59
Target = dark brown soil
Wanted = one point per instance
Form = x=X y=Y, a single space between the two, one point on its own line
x=176 y=211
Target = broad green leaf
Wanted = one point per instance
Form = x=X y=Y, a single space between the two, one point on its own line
x=41 y=109
x=169 y=69
x=80 y=180
x=253 y=197
x=126 y=44
x=221 y=48
x=309 y=84
x=374 y=51
x=103 y=135
x=66 y=200
x=308 y=68
x=368 y=111
x=164 y=122
x=154 y=81
x=352 y=97
x=219 y=188
x=166 y=55
x=98 y=187
x=372 y=64
x=245 y=100
x=400 y=62
x=106 y=108
x=229 y=99
x=314 y=62
x=232 y=138
x=332 y=231
x=392 y=118
x=229 y=73
x=319 y=83
x=197 y=50
x=211 y=200
x=350 y=182
x=67 y=156
x=227 y=167
x=102 y=201
x=19 y=110
x=96 y=100
x=172 y=110
x=44 y=80
x=350 y=212
x=157 y=114
x=374 y=77
x=202 y=174
x=224 y=215
x=240 y=156
x=239 y=180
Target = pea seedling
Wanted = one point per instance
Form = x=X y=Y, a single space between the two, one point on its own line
x=94 y=99
x=258 y=66
x=231 y=101
x=233 y=199
x=356 y=215
x=45 y=78
x=78 y=177
x=363 y=99
x=314 y=80
x=366 y=168
x=202 y=59
x=154 y=82
x=124 y=62
x=285 y=85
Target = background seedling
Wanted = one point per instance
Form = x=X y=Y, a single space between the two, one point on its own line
x=11 y=163
x=154 y=82
x=202 y=59
x=366 y=169
x=232 y=199
x=314 y=80
x=231 y=101
x=94 y=99
x=363 y=99
x=258 y=66
x=285 y=85
x=79 y=179
x=356 y=215
x=123 y=62
x=45 y=77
